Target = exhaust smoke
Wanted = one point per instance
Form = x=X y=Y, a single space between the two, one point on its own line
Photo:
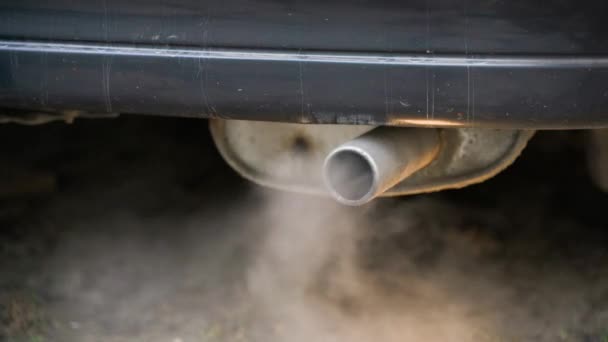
x=172 y=248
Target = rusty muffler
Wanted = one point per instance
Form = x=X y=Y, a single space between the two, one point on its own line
x=365 y=167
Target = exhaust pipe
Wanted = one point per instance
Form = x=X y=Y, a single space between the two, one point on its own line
x=362 y=169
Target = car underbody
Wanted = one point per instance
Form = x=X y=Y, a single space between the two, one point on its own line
x=355 y=99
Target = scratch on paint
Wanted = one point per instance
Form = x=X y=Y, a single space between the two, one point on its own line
x=105 y=81
x=44 y=97
x=428 y=50
x=203 y=65
x=201 y=74
x=301 y=71
x=205 y=25
x=14 y=65
x=105 y=19
x=386 y=101
x=433 y=95
x=428 y=27
x=473 y=96
x=466 y=51
x=468 y=93
x=426 y=77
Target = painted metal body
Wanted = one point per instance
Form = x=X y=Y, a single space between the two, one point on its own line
x=516 y=64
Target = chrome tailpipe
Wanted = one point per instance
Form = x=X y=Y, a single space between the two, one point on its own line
x=365 y=167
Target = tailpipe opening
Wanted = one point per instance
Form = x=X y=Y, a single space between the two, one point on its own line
x=365 y=167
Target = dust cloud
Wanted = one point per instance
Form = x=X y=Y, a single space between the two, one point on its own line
x=176 y=251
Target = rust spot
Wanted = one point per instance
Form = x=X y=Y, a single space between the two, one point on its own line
x=300 y=145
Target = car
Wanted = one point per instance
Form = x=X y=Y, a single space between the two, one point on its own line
x=355 y=99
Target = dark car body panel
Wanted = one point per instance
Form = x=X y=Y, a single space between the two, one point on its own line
x=524 y=64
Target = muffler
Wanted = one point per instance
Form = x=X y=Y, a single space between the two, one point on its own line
x=365 y=167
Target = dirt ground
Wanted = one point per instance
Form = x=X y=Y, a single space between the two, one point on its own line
x=134 y=229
